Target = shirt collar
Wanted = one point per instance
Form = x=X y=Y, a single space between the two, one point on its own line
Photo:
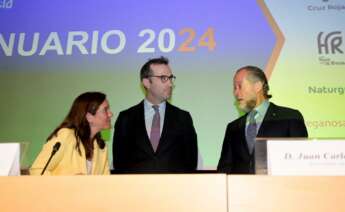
x=262 y=109
x=148 y=105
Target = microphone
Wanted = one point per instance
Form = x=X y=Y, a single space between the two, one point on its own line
x=56 y=148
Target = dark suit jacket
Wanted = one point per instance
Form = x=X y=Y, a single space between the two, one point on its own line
x=278 y=122
x=133 y=152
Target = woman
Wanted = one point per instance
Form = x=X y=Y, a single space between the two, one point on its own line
x=82 y=150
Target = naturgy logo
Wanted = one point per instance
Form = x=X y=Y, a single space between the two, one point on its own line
x=6 y=4
x=330 y=43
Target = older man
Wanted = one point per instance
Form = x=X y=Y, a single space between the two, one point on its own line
x=262 y=119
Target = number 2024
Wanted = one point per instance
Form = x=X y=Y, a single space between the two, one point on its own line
x=206 y=40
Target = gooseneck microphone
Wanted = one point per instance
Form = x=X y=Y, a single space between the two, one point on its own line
x=56 y=148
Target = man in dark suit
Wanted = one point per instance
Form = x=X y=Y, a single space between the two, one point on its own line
x=262 y=119
x=155 y=136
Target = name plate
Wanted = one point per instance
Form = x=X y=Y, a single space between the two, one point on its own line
x=9 y=159
x=313 y=157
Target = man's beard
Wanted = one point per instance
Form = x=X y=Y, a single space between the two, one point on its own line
x=249 y=105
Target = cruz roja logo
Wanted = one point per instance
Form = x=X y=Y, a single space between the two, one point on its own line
x=330 y=45
x=6 y=4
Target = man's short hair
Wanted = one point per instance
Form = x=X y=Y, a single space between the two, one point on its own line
x=256 y=74
x=146 y=70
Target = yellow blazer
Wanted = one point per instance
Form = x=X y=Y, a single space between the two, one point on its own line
x=67 y=160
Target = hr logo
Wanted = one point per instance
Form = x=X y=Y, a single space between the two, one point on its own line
x=330 y=43
x=6 y=4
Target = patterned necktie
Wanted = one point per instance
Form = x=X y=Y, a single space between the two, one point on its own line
x=156 y=128
x=251 y=131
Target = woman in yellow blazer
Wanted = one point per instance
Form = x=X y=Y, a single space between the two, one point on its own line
x=81 y=149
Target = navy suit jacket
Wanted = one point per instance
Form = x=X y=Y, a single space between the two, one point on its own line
x=132 y=150
x=278 y=122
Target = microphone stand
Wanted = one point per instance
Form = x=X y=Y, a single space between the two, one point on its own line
x=55 y=149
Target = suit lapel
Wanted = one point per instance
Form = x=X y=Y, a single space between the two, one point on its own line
x=269 y=116
x=163 y=139
x=146 y=143
x=242 y=128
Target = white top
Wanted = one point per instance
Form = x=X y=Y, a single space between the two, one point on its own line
x=89 y=166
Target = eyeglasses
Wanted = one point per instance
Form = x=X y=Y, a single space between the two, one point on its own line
x=165 y=78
